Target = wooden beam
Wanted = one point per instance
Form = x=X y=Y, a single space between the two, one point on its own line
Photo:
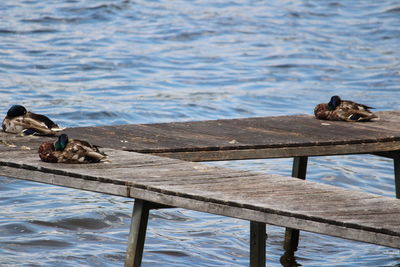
x=387 y=154
x=280 y=152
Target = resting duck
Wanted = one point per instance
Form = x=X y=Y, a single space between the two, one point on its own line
x=66 y=150
x=343 y=110
x=20 y=121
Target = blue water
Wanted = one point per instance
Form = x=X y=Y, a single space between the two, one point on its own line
x=116 y=62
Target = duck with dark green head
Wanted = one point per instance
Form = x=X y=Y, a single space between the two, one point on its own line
x=20 y=121
x=343 y=110
x=65 y=150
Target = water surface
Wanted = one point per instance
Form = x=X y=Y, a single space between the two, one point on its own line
x=96 y=62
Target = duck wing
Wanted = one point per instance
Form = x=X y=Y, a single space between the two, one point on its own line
x=351 y=111
x=42 y=119
x=25 y=125
x=82 y=152
x=347 y=104
x=361 y=115
x=33 y=126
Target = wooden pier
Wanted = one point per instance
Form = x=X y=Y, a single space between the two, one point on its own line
x=160 y=182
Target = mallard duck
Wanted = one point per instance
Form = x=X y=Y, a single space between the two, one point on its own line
x=65 y=150
x=20 y=121
x=343 y=110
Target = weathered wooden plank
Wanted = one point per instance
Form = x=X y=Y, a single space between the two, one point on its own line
x=122 y=190
x=65 y=181
x=269 y=218
x=200 y=178
x=250 y=138
x=382 y=239
x=282 y=152
x=244 y=134
x=350 y=231
x=277 y=192
x=299 y=202
x=274 y=130
x=256 y=197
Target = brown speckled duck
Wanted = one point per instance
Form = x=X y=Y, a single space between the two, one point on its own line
x=66 y=150
x=20 y=121
x=343 y=110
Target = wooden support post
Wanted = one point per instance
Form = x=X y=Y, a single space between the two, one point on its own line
x=258 y=237
x=395 y=155
x=396 y=161
x=137 y=233
x=299 y=170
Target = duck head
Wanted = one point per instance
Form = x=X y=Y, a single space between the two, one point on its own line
x=61 y=142
x=334 y=102
x=16 y=110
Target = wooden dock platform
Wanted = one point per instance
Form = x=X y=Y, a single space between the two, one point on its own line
x=159 y=182
x=299 y=136
x=250 y=138
x=261 y=198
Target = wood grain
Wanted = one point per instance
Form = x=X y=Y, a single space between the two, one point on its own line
x=252 y=196
x=247 y=138
x=257 y=197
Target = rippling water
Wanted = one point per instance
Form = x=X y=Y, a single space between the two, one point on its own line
x=116 y=62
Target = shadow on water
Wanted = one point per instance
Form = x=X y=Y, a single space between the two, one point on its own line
x=289 y=259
